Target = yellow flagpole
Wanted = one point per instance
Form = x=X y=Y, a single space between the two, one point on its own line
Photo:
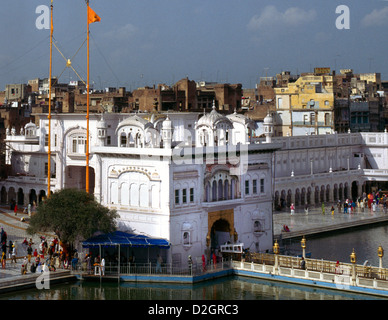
x=87 y=104
x=49 y=106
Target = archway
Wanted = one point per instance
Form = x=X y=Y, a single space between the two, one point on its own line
x=20 y=197
x=303 y=197
x=354 y=190
x=220 y=234
x=297 y=197
x=3 y=195
x=11 y=195
x=42 y=195
x=220 y=228
x=33 y=197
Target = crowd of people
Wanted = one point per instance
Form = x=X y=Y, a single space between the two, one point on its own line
x=44 y=256
x=373 y=201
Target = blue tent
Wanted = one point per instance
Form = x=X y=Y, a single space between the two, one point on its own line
x=125 y=239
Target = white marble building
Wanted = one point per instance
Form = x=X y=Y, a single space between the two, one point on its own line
x=195 y=180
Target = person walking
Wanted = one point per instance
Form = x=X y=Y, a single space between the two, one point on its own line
x=332 y=210
x=292 y=209
x=13 y=259
x=323 y=208
x=306 y=209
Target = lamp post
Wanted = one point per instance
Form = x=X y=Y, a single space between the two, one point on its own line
x=276 y=252
x=380 y=253
x=303 y=244
x=353 y=261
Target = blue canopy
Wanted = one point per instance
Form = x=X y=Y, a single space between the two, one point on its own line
x=124 y=239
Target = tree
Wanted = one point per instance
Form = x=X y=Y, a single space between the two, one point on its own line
x=72 y=214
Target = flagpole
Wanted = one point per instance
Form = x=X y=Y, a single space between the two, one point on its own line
x=87 y=105
x=49 y=106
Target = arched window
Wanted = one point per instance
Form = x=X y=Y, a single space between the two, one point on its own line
x=214 y=191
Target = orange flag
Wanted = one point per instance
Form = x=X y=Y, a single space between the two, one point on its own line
x=92 y=16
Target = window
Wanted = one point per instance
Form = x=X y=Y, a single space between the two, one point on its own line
x=312 y=118
x=176 y=196
x=305 y=119
x=327 y=119
x=186 y=238
x=79 y=144
x=46 y=140
x=191 y=194
x=262 y=185
x=254 y=186
x=108 y=141
x=123 y=140
x=184 y=196
x=246 y=186
x=257 y=226
x=46 y=168
x=55 y=140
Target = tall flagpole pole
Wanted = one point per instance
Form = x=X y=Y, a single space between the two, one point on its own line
x=49 y=106
x=87 y=105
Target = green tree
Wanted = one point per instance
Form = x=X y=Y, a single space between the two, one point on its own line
x=72 y=214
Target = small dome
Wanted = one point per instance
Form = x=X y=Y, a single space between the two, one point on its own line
x=30 y=125
x=101 y=124
x=268 y=119
x=167 y=124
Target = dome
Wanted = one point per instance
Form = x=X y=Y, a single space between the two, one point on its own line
x=212 y=119
x=240 y=118
x=135 y=121
x=30 y=125
x=101 y=124
x=167 y=124
x=268 y=119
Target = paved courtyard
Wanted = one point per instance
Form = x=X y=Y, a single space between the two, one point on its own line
x=314 y=219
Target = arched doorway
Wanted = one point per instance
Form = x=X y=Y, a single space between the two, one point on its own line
x=220 y=234
x=354 y=190
x=33 y=197
x=42 y=195
x=20 y=200
x=220 y=229
x=3 y=195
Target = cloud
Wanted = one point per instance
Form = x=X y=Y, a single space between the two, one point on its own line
x=376 y=18
x=272 y=18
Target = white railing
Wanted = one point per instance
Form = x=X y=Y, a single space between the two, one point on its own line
x=111 y=269
x=341 y=274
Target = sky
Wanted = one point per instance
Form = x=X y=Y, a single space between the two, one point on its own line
x=142 y=43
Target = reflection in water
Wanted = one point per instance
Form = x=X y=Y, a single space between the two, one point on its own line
x=230 y=288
